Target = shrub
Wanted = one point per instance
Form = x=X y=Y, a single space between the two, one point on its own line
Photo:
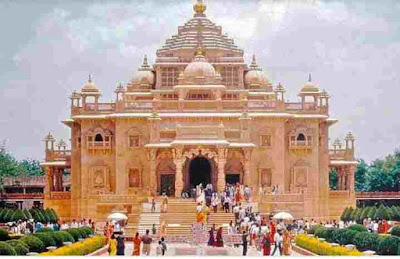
x=389 y=246
x=381 y=213
x=366 y=241
x=20 y=247
x=395 y=231
x=67 y=237
x=27 y=214
x=319 y=232
x=18 y=215
x=338 y=236
x=327 y=234
x=312 y=229
x=7 y=216
x=46 y=238
x=88 y=231
x=2 y=212
x=58 y=237
x=322 y=248
x=358 y=227
x=45 y=230
x=371 y=212
x=55 y=215
x=82 y=232
x=6 y=249
x=344 y=213
x=365 y=212
x=74 y=233
x=34 y=243
x=4 y=236
x=349 y=237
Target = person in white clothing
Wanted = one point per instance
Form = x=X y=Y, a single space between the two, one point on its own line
x=230 y=228
x=278 y=240
x=375 y=227
x=74 y=224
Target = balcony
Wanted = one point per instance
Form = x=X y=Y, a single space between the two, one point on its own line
x=99 y=144
x=300 y=145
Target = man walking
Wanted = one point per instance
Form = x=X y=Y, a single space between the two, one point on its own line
x=146 y=240
x=245 y=242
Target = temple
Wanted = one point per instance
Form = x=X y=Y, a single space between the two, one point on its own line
x=199 y=114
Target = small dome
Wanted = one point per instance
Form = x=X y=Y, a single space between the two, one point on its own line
x=309 y=87
x=144 y=75
x=255 y=76
x=199 y=68
x=90 y=87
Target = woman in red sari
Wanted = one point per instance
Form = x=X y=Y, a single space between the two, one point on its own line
x=266 y=244
x=136 y=244
x=219 y=241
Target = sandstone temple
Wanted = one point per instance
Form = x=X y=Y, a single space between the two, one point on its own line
x=200 y=113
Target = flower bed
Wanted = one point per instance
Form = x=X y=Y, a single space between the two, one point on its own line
x=84 y=247
x=323 y=248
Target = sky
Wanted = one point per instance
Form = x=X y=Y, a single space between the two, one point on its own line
x=351 y=48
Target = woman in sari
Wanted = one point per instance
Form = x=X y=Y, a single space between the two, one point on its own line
x=163 y=229
x=112 y=246
x=287 y=243
x=219 y=241
x=200 y=217
x=237 y=195
x=206 y=214
x=266 y=244
x=136 y=244
x=211 y=239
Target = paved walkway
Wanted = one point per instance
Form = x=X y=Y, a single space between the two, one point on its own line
x=187 y=249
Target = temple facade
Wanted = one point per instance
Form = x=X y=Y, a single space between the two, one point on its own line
x=199 y=114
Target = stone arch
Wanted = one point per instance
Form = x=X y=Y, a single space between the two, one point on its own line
x=234 y=165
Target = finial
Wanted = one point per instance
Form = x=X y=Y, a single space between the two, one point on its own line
x=253 y=65
x=145 y=65
x=199 y=9
x=309 y=77
x=90 y=78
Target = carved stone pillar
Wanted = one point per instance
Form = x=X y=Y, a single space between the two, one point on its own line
x=351 y=170
x=247 y=179
x=177 y=153
x=222 y=152
x=153 y=171
x=49 y=187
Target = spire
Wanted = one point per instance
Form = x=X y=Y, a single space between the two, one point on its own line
x=309 y=77
x=253 y=65
x=199 y=9
x=90 y=78
x=145 y=65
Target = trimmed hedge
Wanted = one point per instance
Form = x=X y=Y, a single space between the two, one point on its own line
x=312 y=229
x=46 y=238
x=319 y=232
x=39 y=215
x=45 y=230
x=67 y=237
x=80 y=248
x=20 y=247
x=34 y=243
x=395 y=231
x=6 y=249
x=74 y=233
x=358 y=227
x=366 y=241
x=338 y=236
x=389 y=246
x=4 y=236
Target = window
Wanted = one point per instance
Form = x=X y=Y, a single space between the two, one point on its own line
x=78 y=142
x=98 y=138
x=230 y=96
x=265 y=140
x=301 y=137
x=266 y=177
x=134 y=178
x=169 y=76
x=134 y=141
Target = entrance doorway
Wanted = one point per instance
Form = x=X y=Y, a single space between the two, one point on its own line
x=167 y=184
x=199 y=171
x=232 y=178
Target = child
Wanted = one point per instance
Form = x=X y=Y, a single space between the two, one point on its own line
x=164 y=246
x=159 y=248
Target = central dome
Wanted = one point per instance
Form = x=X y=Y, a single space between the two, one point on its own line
x=199 y=68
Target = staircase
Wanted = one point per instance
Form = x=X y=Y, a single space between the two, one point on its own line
x=147 y=220
x=132 y=227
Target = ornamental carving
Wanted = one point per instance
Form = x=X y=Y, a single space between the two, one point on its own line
x=192 y=153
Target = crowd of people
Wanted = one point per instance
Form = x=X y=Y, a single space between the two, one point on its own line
x=23 y=227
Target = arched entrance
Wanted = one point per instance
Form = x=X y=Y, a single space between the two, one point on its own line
x=199 y=171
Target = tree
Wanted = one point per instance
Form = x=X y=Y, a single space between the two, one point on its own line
x=360 y=176
x=347 y=217
x=371 y=212
x=365 y=212
x=344 y=213
x=381 y=213
x=333 y=179
x=31 y=167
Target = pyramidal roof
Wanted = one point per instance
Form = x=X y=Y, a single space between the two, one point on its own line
x=199 y=31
